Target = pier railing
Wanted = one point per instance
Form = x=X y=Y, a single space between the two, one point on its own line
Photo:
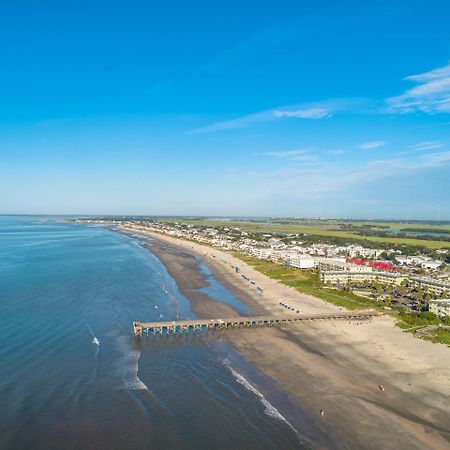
x=186 y=326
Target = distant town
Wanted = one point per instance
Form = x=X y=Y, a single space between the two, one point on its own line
x=414 y=282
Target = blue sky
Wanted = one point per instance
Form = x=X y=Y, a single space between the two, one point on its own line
x=288 y=108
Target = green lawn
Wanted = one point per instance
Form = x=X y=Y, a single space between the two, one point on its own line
x=321 y=231
x=307 y=282
x=400 y=226
x=441 y=336
x=412 y=322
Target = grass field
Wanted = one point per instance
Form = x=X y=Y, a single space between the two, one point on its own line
x=321 y=230
x=441 y=336
x=400 y=226
x=412 y=322
x=307 y=283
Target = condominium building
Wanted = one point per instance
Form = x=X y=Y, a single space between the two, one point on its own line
x=301 y=262
x=262 y=253
x=344 y=277
x=434 y=287
x=341 y=265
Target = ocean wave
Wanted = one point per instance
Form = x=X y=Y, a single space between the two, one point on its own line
x=128 y=365
x=269 y=409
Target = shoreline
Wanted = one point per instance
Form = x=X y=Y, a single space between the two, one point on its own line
x=178 y=264
x=333 y=366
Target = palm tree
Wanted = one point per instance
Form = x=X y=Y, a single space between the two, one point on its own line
x=379 y=290
x=421 y=295
x=348 y=285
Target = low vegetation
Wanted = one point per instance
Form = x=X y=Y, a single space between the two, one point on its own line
x=417 y=320
x=440 y=336
x=426 y=325
x=307 y=282
x=326 y=230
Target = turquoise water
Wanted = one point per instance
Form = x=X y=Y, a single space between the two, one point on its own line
x=72 y=375
x=217 y=292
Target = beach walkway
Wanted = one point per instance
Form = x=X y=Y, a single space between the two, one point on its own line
x=185 y=326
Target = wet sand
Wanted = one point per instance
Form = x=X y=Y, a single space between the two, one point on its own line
x=183 y=267
x=334 y=366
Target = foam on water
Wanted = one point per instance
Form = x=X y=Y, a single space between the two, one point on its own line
x=168 y=293
x=173 y=298
x=94 y=337
x=128 y=365
x=270 y=410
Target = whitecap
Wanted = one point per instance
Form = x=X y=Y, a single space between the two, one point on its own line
x=136 y=385
x=94 y=337
x=128 y=366
x=269 y=409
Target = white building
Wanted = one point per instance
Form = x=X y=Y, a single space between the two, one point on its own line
x=359 y=250
x=283 y=254
x=344 y=277
x=431 y=265
x=262 y=253
x=301 y=262
x=341 y=265
x=440 y=307
x=434 y=287
x=417 y=260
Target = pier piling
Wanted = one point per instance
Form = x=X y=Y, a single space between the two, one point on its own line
x=185 y=326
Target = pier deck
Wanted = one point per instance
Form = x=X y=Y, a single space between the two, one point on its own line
x=185 y=326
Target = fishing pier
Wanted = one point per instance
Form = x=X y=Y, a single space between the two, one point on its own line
x=202 y=325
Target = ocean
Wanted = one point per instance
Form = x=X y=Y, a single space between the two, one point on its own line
x=73 y=376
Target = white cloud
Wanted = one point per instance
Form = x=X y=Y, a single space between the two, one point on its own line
x=432 y=95
x=310 y=113
x=337 y=151
x=427 y=145
x=287 y=153
x=305 y=158
x=436 y=74
x=332 y=178
x=371 y=144
x=240 y=122
x=306 y=111
x=293 y=155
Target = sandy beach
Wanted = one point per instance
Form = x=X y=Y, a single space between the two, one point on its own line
x=334 y=366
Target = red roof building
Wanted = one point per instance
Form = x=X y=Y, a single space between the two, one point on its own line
x=376 y=265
